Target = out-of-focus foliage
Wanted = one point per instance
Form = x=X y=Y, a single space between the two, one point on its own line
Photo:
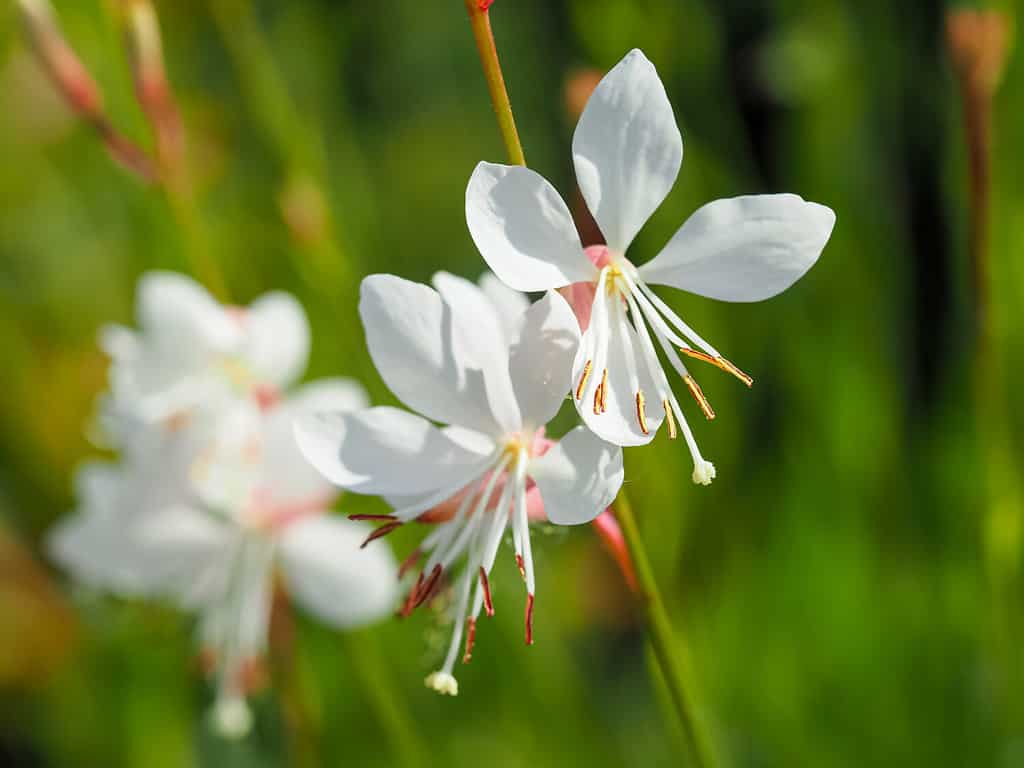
x=831 y=586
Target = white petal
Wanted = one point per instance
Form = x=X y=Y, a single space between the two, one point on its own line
x=330 y=576
x=508 y=303
x=523 y=229
x=482 y=344
x=176 y=307
x=619 y=424
x=541 y=363
x=285 y=472
x=276 y=338
x=384 y=451
x=412 y=339
x=744 y=248
x=627 y=149
x=578 y=478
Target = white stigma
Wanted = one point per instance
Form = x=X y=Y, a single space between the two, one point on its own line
x=232 y=717
x=443 y=682
x=703 y=472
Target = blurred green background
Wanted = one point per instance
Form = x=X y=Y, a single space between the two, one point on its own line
x=846 y=588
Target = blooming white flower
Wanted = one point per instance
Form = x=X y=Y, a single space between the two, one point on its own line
x=627 y=153
x=207 y=520
x=449 y=355
x=192 y=353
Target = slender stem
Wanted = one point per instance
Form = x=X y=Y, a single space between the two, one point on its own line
x=480 y=21
x=667 y=648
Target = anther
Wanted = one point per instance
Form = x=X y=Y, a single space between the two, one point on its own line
x=384 y=530
x=380 y=518
x=486 y=586
x=698 y=395
x=470 y=640
x=519 y=565
x=641 y=414
x=718 y=362
x=529 y=619
x=410 y=602
x=670 y=419
x=604 y=390
x=583 y=379
x=409 y=562
x=428 y=587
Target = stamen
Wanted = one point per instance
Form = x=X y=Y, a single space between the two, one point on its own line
x=520 y=566
x=384 y=530
x=604 y=390
x=720 y=363
x=641 y=414
x=410 y=602
x=583 y=379
x=381 y=518
x=529 y=619
x=698 y=395
x=470 y=640
x=725 y=365
x=670 y=419
x=485 y=585
x=428 y=587
x=409 y=562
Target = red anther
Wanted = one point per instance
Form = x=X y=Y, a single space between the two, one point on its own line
x=380 y=518
x=429 y=586
x=529 y=619
x=483 y=5
x=486 y=585
x=470 y=639
x=384 y=530
x=410 y=602
x=520 y=566
x=409 y=562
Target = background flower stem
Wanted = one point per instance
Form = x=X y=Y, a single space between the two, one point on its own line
x=480 y=21
x=667 y=648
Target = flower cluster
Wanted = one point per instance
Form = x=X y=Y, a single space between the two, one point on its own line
x=211 y=501
x=212 y=492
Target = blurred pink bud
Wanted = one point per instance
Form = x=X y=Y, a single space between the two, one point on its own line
x=607 y=528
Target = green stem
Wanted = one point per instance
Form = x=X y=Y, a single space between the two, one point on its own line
x=480 y=21
x=667 y=649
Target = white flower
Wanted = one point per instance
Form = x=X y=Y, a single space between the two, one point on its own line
x=627 y=152
x=447 y=354
x=205 y=520
x=191 y=353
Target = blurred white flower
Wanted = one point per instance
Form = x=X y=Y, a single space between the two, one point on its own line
x=453 y=357
x=190 y=353
x=212 y=499
x=208 y=522
x=627 y=153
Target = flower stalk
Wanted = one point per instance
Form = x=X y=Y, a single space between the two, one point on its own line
x=666 y=646
x=480 y=22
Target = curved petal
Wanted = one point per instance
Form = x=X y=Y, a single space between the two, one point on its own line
x=176 y=307
x=508 y=303
x=481 y=343
x=331 y=577
x=627 y=149
x=383 y=451
x=287 y=476
x=619 y=422
x=523 y=229
x=578 y=478
x=414 y=343
x=541 y=363
x=743 y=248
x=277 y=338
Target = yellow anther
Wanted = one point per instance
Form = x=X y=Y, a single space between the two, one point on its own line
x=698 y=395
x=671 y=420
x=641 y=414
x=583 y=379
